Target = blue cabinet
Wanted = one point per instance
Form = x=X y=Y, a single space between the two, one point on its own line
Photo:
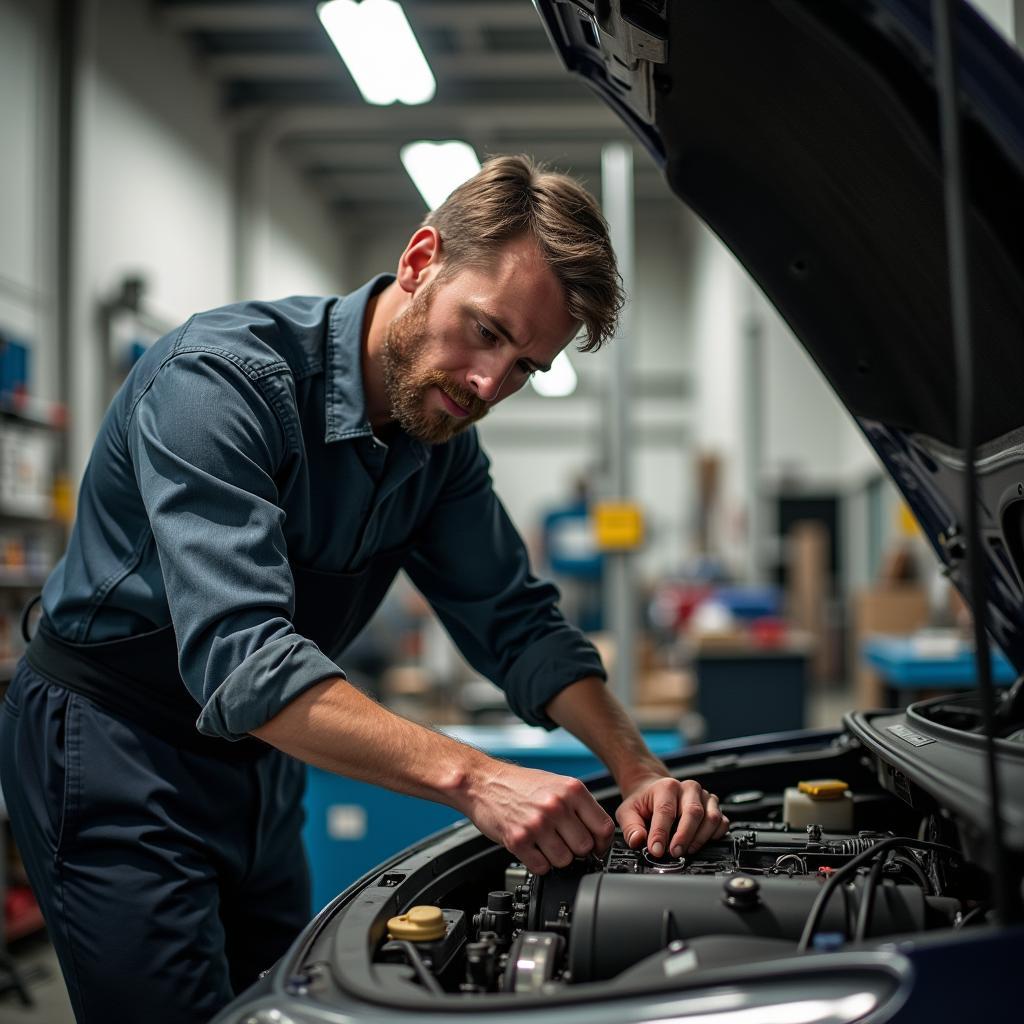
x=352 y=826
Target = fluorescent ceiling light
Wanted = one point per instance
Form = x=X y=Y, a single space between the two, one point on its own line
x=378 y=46
x=438 y=168
x=559 y=381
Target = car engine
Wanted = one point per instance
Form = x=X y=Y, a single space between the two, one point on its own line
x=765 y=891
x=856 y=861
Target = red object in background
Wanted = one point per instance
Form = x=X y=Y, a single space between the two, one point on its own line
x=769 y=631
x=676 y=602
x=21 y=913
x=690 y=600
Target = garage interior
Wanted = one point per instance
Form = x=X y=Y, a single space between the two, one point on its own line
x=712 y=515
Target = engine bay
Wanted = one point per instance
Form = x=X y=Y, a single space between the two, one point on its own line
x=896 y=855
x=629 y=915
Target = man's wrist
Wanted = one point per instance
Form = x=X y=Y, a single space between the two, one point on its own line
x=590 y=711
x=638 y=772
x=462 y=777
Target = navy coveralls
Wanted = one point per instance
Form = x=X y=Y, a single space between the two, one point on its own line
x=238 y=523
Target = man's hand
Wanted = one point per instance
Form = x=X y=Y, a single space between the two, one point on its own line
x=649 y=811
x=543 y=819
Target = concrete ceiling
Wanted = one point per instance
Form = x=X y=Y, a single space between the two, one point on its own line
x=500 y=87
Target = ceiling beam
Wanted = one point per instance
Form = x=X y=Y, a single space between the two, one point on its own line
x=474 y=14
x=290 y=67
x=213 y=16
x=342 y=153
x=438 y=120
x=359 y=153
x=300 y=67
x=363 y=186
x=200 y=16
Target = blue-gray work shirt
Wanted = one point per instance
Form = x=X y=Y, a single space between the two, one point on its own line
x=238 y=445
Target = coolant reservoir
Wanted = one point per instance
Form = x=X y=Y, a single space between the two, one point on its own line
x=824 y=802
x=420 y=924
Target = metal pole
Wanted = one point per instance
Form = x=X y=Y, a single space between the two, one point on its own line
x=1005 y=898
x=620 y=601
x=753 y=417
x=67 y=16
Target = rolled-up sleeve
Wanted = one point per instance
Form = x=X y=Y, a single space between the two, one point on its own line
x=472 y=566
x=207 y=448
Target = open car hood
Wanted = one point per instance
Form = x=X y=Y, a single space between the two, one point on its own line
x=806 y=135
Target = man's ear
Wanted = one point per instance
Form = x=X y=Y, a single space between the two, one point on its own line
x=422 y=256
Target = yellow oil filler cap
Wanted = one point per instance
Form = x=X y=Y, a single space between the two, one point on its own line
x=420 y=924
x=823 y=789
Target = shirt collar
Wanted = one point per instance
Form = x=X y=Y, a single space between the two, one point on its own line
x=345 y=402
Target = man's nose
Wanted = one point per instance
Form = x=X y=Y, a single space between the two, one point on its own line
x=486 y=379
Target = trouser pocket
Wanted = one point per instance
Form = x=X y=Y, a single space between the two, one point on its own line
x=39 y=762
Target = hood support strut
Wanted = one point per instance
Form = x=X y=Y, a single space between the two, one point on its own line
x=1005 y=901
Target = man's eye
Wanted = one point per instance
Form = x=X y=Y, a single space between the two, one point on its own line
x=485 y=333
x=525 y=368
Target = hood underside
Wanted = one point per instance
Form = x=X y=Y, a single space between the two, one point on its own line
x=806 y=135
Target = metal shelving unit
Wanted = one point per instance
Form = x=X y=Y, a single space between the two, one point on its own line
x=32 y=536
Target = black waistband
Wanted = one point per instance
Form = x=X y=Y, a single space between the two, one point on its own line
x=138 y=679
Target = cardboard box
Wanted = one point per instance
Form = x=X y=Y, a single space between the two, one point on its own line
x=896 y=610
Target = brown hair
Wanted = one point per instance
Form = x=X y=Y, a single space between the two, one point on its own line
x=513 y=196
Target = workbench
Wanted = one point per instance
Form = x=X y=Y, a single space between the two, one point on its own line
x=908 y=669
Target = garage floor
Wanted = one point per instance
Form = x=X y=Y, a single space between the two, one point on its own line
x=36 y=957
x=38 y=964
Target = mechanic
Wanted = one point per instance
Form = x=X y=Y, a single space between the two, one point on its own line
x=258 y=481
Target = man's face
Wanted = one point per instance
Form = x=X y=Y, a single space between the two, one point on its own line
x=467 y=342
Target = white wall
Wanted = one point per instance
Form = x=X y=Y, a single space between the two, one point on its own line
x=804 y=427
x=297 y=247
x=152 y=163
x=665 y=241
x=155 y=195
x=376 y=241
x=721 y=305
x=27 y=185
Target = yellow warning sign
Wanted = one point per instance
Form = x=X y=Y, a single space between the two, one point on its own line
x=618 y=525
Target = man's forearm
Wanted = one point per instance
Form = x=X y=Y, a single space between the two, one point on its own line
x=337 y=728
x=591 y=712
x=543 y=819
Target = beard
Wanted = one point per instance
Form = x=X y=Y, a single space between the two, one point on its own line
x=407 y=378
